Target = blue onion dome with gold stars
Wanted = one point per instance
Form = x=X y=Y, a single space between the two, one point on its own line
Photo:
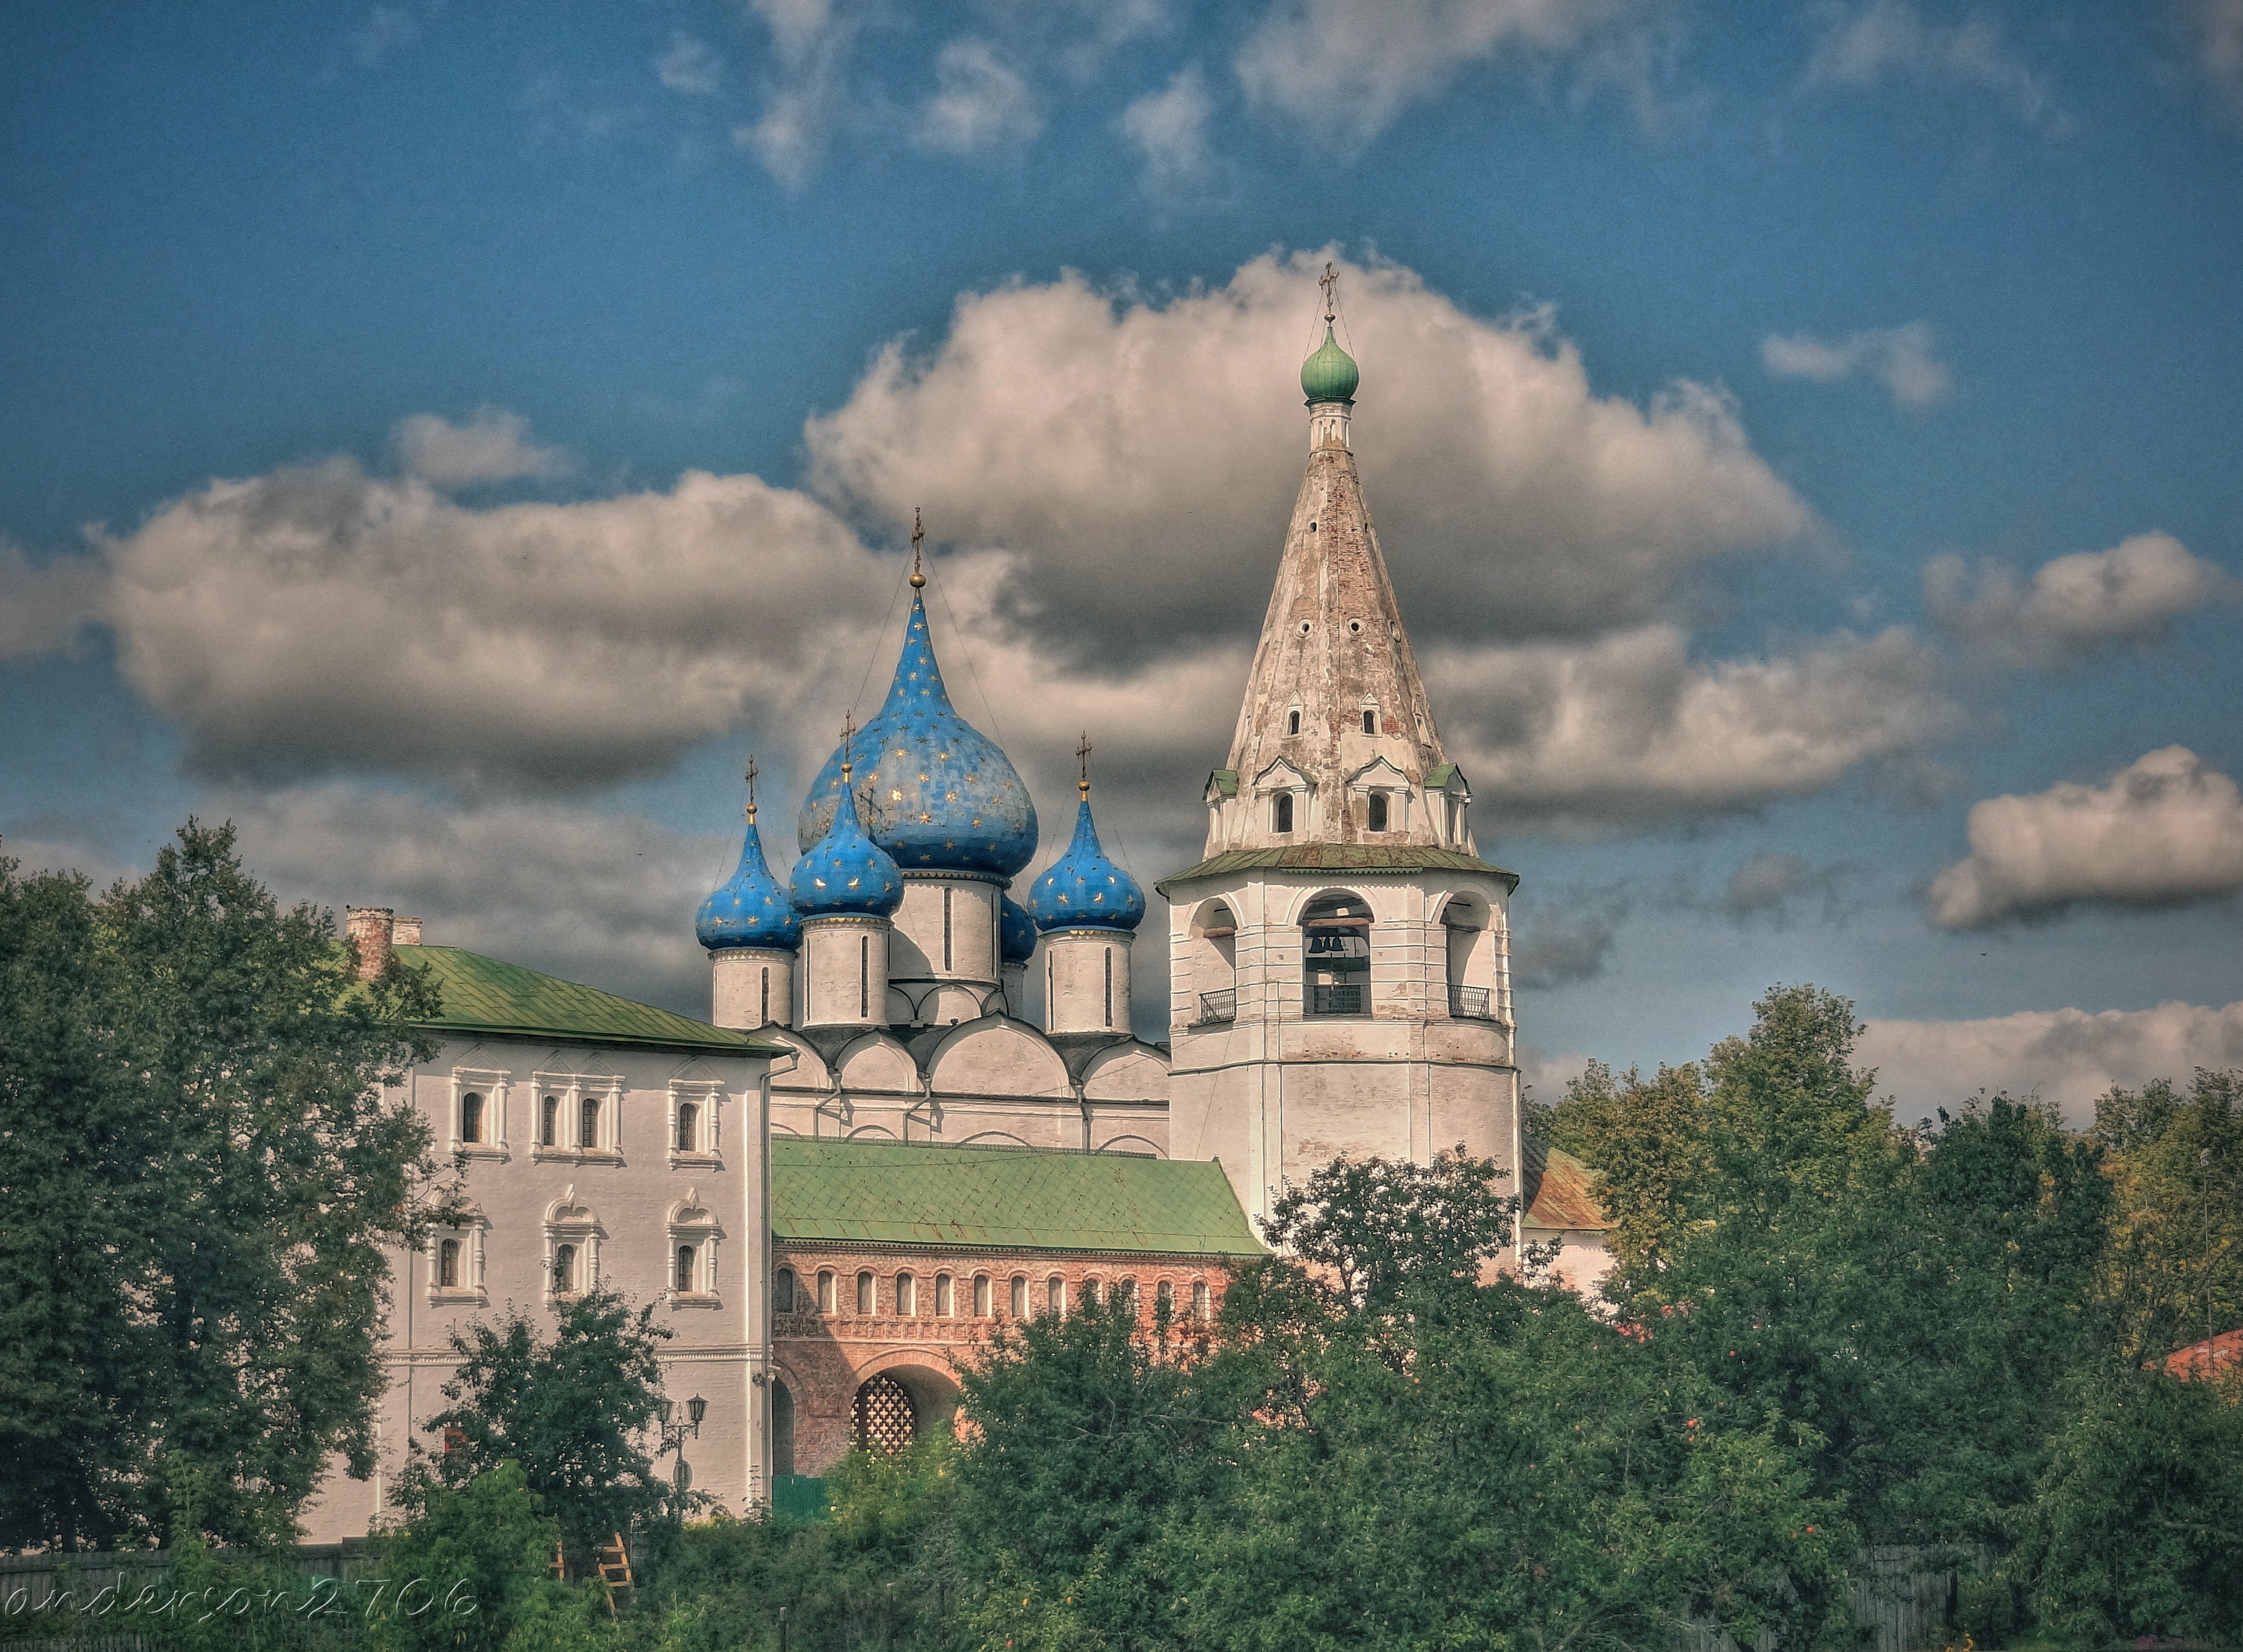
x=935 y=792
x=750 y=909
x=1084 y=890
x=845 y=872
x=1016 y=931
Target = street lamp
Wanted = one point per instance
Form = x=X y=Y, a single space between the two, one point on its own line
x=674 y=1434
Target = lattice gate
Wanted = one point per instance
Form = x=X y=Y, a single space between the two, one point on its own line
x=887 y=1419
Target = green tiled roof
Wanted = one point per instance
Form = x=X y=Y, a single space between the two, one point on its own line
x=1008 y=1198
x=1339 y=857
x=483 y=995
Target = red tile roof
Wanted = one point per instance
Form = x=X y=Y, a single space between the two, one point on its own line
x=1560 y=1190
x=2210 y=1358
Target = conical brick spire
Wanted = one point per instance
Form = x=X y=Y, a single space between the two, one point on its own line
x=1335 y=714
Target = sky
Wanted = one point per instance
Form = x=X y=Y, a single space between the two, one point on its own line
x=446 y=438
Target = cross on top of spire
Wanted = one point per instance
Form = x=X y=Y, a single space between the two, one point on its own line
x=848 y=734
x=753 y=771
x=1330 y=282
x=1083 y=760
x=919 y=568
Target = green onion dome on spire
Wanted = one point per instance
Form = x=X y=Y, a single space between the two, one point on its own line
x=1330 y=375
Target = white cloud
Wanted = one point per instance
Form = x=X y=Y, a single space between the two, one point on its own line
x=1628 y=730
x=2215 y=28
x=980 y=103
x=1889 y=39
x=1169 y=129
x=2168 y=829
x=689 y=65
x=604 y=898
x=1772 y=885
x=45 y=606
x=2076 y=606
x=494 y=445
x=318 y=617
x=806 y=97
x=1128 y=450
x=1347 y=71
x=1900 y=358
x=2066 y=1057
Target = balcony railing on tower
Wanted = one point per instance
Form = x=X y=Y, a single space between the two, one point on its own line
x=1218 y=1007
x=1469 y=1003
x=1339 y=997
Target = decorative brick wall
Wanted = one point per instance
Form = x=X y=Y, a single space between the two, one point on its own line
x=825 y=1358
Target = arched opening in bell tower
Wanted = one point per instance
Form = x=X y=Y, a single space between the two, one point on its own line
x=1336 y=956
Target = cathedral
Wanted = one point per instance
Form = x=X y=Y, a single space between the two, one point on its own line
x=918 y=1110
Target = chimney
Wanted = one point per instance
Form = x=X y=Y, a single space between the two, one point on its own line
x=405 y=933
x=369 y=930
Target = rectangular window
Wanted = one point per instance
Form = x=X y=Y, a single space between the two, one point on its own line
x=1056 y=1295
x=980 y=1296
x=589 y=1135
x=906 y=1294
x=1281 y=811
x=945 y=1302
x=1377 y=811
x=1370 y=719
x=1110 y=986
x=765 y=1019
x=1019 y=1297
x=864 y=976
x=864 y=1293
x=825 y=1300
x=783 y=1291
x=945 y=929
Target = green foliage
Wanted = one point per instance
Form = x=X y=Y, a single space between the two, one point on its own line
x=570 y=1412
x=1647 y=1142
x=470 y=1572
x=2175 y=1270
x=2139 y=1525
x=202 y=1173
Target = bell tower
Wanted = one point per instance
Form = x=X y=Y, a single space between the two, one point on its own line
x=1339 y=961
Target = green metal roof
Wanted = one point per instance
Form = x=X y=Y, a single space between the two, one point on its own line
x=1225 y=781
x=483 y=995
x=1002 y=1198
x=1339 y=857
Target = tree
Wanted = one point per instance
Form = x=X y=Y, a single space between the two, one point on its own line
x=569 y=1410
x=2175 y=1272
x=1646 y=1140
x=201 y=1172
x=470 y=1572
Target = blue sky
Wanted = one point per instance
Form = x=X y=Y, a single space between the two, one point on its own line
x=1806 y=439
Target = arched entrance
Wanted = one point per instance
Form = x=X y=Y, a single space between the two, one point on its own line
x=888 y=1418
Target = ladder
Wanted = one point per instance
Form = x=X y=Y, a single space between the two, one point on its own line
x=614 y=1563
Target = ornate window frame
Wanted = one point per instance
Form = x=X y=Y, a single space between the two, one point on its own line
x=492 y=1084
x=569 y=1221
x=693 y=1223
x=708 y=1096
x=468 y=1234
x=571 y=1089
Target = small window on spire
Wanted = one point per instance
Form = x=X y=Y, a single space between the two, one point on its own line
x=1281 y=812
x=1377 y=811
x=1371 y=720
x=1293 y=721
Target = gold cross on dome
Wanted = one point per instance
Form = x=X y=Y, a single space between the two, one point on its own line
x=1328 y=281
x=1082 y=759
x=919 y=533
x=753 y=771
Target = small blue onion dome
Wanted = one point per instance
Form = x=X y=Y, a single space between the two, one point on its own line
x=1330 y=375
x=1016 y=931
x=750 y=909
x=1083 y=889
x=845 y=871
x=935 y=792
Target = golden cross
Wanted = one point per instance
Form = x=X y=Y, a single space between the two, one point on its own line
x=919 y=572
x=753 y=771
x=1082 y=759
x=1331 y=280
x=848 y=734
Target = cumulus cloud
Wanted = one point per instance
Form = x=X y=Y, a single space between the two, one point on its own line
x=1774 y=886
x=690 y=66
x=1352 y=69
x=806 y=98
x=604 y=898
x=44 y=606
x=1900 y=358
x=1142 y=452
x=980 y=103
x=2167 y=830
x=1891 y=40
x=492 y=446
x=318 y=617
x=2066 y=1057
x=2074 y=607
x=1170 y=130
x=1628 y=730
x=1568 y=937
x=2215 y=28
